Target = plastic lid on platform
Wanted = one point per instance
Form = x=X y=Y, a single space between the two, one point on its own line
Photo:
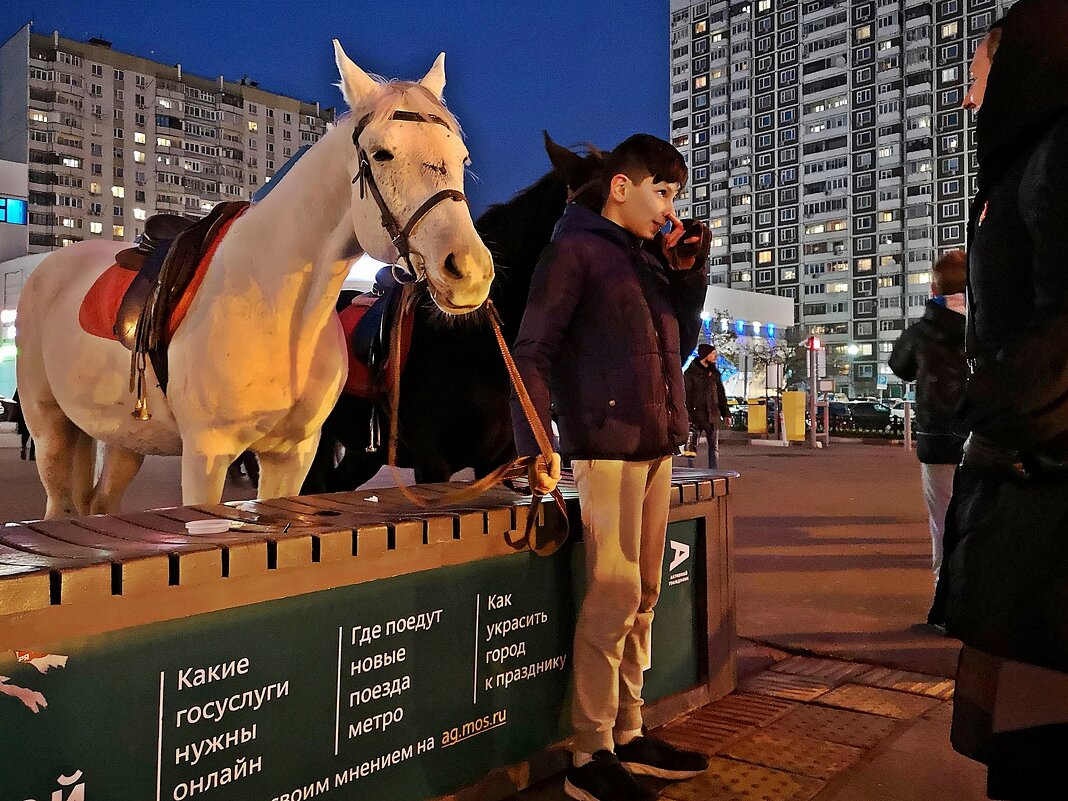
x=207 y=526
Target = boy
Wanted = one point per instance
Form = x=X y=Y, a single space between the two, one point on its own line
x=603 y=326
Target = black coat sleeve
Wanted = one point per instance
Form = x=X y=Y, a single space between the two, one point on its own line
x=724 y=407
x=555 y=291
x=903 y=358
x=688 y=296
x=1020 y=398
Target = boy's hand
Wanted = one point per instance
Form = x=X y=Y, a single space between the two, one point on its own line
x=543 y=478
x=686 y=245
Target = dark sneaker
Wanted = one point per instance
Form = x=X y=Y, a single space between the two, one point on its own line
x=648 y=756
x=604 y=779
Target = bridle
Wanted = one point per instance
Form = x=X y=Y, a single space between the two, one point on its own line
x=399 y=235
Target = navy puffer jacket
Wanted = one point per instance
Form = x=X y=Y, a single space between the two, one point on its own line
x=602 y=329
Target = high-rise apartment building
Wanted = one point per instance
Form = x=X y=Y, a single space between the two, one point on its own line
x=111 y=138
x=830 y=155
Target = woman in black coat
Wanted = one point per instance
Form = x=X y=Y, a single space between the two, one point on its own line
x=1004 y=584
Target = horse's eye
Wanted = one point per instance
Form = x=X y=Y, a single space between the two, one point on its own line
x=382 y=155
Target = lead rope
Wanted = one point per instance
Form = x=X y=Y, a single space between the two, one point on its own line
x=524 y=466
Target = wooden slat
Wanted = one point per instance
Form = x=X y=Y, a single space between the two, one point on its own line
x=23 y=588
x=26 y=539
x=374 y=540
x=245 y=553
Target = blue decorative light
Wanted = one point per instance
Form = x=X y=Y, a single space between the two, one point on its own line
x=739 y=327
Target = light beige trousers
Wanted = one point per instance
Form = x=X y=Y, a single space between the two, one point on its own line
x=624 y=519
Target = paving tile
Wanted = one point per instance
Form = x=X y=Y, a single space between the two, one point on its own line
x=751 y=709
x=728 y=780
x=709 y=729
x=906 y=682
x=788 y=686
x=795 y=753
x=843 y=726
x=878 y=701
x=837 y=670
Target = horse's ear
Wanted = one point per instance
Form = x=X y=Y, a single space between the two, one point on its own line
x=434 y=80
x=356 y=84
x=564 y=161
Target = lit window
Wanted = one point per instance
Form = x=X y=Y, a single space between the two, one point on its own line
x=863 y=32
x=96 y=228
x=139 y=157
x=139 y=214
x=163 y=141
x=252 y=125
x=70 y=161
x=139 y=138
x=118 y=231
x=764 y=257
x=94 y=188
x=118 y=191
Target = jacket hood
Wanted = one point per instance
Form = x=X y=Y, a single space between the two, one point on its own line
x=579 y=218
x=1027 y=89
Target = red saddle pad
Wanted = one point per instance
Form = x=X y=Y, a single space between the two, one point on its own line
x=101 y=304
x=100 y=307
x=359 y=381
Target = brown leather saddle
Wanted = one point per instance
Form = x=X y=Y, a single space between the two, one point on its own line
x=166 y=259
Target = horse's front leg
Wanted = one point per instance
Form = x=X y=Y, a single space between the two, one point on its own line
x=283 y=472
x=204 y=464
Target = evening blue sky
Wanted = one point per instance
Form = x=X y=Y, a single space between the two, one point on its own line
x=585 y=71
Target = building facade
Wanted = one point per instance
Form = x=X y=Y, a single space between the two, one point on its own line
x=830 y=155
x=111 y=138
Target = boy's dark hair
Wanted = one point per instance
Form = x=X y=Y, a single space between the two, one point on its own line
x=640 y=156
x=950 y=273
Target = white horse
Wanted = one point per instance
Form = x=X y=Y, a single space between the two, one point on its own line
x=259 y=360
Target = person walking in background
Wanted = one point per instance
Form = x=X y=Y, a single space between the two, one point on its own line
x=706 y=402
x=1003 y=590
x=931 y=353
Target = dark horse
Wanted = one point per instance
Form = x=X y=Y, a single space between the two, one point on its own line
x=454 y=390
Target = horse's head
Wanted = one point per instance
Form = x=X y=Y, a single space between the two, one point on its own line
x=581 y=173
x=407 y=198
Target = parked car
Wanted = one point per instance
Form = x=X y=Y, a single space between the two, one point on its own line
x=840 y=415
x=871 y=416
x=897 y=412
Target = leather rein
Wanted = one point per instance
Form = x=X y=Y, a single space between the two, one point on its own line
x=399 y=235
x=522 y=467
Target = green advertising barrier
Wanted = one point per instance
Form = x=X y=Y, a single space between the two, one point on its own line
x=405 y=687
